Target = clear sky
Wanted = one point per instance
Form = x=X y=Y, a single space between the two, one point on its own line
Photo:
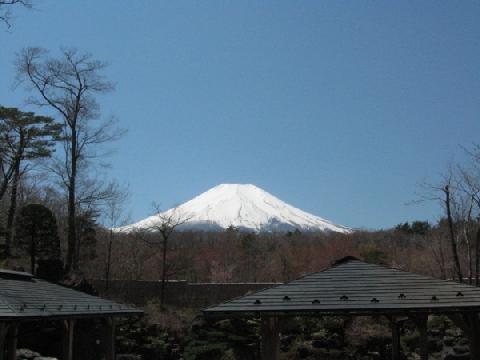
x=340 y=108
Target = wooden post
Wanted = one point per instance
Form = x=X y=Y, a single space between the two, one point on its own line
x=421 y=321
x=3 y=334
x=12 y=342
x=473 y=324
x=270 y=346
x=395 y=339
x=69 y=327
x=109 y=338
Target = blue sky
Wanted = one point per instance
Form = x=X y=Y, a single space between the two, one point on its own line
x=340 y=108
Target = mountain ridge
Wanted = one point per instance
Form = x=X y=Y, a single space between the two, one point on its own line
x=244 y=206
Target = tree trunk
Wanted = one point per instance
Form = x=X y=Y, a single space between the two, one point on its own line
x=477 y=257
x=7 y=175
x=470 y=264
x=467 y=234
x=71 y=229
x=442 y=260
x=72 y=261
x=11 y=210
x=4 y=186
x=469 y=254
x=33 y=253
x=451 y=228
x=164 y=269
x=109 y=257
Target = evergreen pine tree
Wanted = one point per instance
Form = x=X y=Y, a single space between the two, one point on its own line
x=36 y=234
x=24 y=136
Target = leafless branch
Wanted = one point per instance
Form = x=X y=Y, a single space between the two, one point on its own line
x=6 y=11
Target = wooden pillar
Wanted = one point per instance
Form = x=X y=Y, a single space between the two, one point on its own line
x=395 y=338
x=473 y=334
x=109 y=338
x=3 y=334
x=68 y=334
x=12 y=342
x=270 y=346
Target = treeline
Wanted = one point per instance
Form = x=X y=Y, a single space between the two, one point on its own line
x=233 y=256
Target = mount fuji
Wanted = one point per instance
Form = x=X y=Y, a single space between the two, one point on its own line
x=244 y=206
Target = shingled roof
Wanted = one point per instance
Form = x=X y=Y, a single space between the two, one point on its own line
x=23 y=296
x=351 y=286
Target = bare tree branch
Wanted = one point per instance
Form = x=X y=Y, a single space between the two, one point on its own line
x=6 y=10
x=166 y=224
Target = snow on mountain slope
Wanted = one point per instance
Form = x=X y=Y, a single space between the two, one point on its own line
x=244 y=206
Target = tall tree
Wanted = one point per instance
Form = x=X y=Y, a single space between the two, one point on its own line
x=24 y=136
x=447 y=193
x=69 y=84
x=113 y=211
x=36 y=234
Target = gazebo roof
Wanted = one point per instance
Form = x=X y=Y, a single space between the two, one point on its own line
x=351 y=286
x=24 y=297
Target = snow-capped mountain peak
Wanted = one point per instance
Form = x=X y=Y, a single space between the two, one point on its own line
x=244 y=206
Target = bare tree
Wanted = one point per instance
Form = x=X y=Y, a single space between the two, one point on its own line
x=6 y=9
x=446 y=193
x=68 y=84
x=470 y=185
x=447 y=190
x=165 y=224
x=438 y=253
x=136 y=253
x=114 y=207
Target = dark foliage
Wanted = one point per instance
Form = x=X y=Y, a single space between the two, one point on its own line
x=36 y=234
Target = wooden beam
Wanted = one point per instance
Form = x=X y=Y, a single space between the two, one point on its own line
x=69 y=327
x=12 y=342
x=395 y=338
x=109 y=338
x=270 y=345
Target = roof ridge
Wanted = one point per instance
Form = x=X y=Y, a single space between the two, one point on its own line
x=333 y=264
x=344 y=260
